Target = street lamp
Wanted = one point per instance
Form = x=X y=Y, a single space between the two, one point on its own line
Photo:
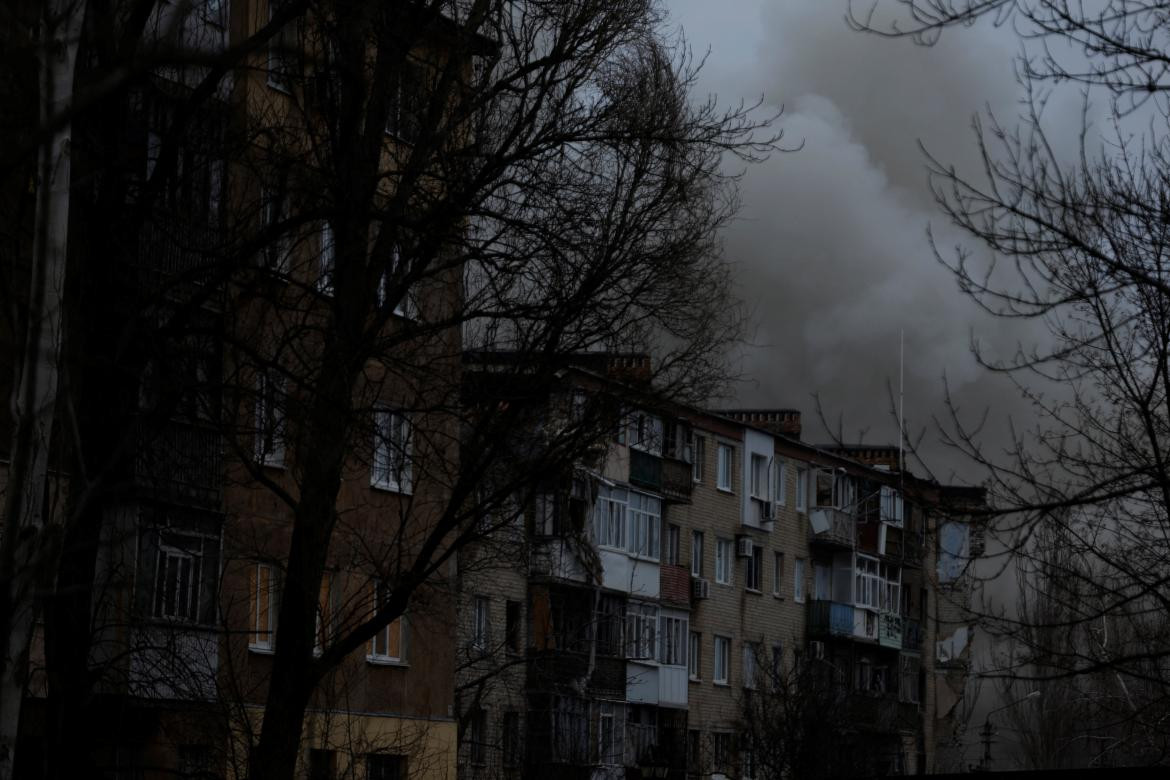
x=985 y=732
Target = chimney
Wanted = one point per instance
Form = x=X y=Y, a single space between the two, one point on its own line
x=784 y=422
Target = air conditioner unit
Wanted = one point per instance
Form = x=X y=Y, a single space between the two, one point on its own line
x=817 y=650
x=700 y=588
x=743 y=547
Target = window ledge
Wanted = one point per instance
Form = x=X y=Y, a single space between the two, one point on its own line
x=376 y=661
x=718 y=684
x=728 y=491
x=695 y=680
x=754 y=591
x=390 y=487
x=261 y=650
x=778 y=597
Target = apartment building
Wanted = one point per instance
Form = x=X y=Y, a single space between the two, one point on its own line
x=705 y=556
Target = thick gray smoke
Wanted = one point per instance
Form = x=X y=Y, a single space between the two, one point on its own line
x=831 y=243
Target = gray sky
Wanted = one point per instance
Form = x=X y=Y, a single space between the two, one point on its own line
x=831 y=245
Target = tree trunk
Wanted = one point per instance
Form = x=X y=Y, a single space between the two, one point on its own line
x=27 y=547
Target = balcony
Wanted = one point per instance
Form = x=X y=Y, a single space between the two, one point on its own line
x=832 y=526
x=829 y=618
x=890 y=630
x=645 y=470
x=179 y=461
x=677 y=479
x=174 y=251
x=911 y=635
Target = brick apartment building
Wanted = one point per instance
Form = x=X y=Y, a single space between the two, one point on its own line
x=702 y=546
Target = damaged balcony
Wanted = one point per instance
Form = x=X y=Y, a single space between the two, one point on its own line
x=832 y=526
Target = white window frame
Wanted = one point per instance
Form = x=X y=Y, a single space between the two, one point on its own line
x=380 y=644
x=722 y=670
x=645 y=525
x=778 y=574
x=646 y=432
x=754 y=565
x=405 y=307
x=673 y=541
x=673 y=636
x=801 y=489
x=188 y=611
x=867 y=582
x=481 y=623
x=642 y=632
x=758 y=481
x=780 y=483
x=891 y=506
x=270 y=419
x=696 y=553
x=262 y=631
x=723 y=560
x=724 y=467
x=798 y=581
x=749 y=666
x=609 y=517
x=391 y=467
x=695 y=656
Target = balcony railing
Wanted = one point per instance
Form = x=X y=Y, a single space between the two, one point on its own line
x=829 y=618
x=832 y=526
x=890 y=630
x=173 y=249
x=911 y=634
x=677 y=479
x=645 y=469
x=179 y=461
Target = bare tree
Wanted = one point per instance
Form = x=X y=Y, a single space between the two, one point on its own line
x=355 y=195
x=1082 y=242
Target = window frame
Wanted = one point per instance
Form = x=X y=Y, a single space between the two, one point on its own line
x=271 y=445
x=724 y=467
x=802 y=489
x=754 y=570
x=722 y=657
x=724 y=565
x=386 y=633
x=695 y=656
x=778 y=574
x=798 y=594
x=386 y=473
x=696 y=553
x=698 y=458
x=481 y=616
x=673 y=535
x=263 y=592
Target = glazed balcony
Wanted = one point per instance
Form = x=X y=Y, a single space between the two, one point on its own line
x=830 y=618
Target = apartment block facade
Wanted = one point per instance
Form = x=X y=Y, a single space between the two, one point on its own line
x=705 y=556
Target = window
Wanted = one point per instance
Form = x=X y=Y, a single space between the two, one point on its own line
x=672 y=534
x=406 y=102
x=388 y=645
x=609 y=742
x=274 y=213
x=891 y=506
x=477 y=738
x=753 y=568
x=697 y=553
x=780 y=483
x=177 y=585
x=404 y=305
x=609 y=619
x=722 y=659
x=834 y=488
x=270 y=418
x=749 y=666
x=699 y=455
x=890 y=590
x=909 y=667
x=326 y=259
x=641 y=632
x=721 y=751
x=694 y=656
x=759 y=476
x=282 y=50
x=645 y=525
x=512 y=626
x=801 y=489
x=673 y=634
x=380 y=766
x=777 y=573
x=262 y=607
x=867 y=583
x=510 y=732
x=798 y=580
x=822 y=582
x=609 y=517
x=646 y=432
x=723 y=466
x=723 y=561
x=480 y=626
x=392 y=444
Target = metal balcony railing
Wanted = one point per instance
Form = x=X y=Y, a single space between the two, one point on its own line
x=832 y=526
x=179 y=461
x=677 y=479
x=645 y=469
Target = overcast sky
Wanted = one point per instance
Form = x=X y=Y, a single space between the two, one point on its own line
x=830 y=247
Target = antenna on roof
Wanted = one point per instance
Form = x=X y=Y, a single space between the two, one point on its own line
x=901 y=397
